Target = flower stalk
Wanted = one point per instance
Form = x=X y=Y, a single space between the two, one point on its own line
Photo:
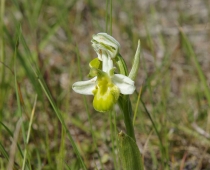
x=125 y=105
x=124 y=101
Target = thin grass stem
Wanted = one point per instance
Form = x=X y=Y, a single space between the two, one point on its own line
x=29 y=132
x=110 y=17
x=137 y=105
x=112 y=130
x=107 y=15
x=157 y=133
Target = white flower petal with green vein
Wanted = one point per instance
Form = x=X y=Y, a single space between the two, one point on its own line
x=107 y=63
x=124 y=83
x=85 y=87
x=106 y=39
x=105 y=42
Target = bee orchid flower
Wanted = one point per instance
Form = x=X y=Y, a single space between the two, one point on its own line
x=105 y=86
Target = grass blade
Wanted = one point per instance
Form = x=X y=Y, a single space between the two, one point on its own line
x=40 y=80
x=201 y=75
x=28 y=135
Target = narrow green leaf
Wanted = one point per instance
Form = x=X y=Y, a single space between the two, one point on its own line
x=136 y=63
x=194 y=58
x=40 y=80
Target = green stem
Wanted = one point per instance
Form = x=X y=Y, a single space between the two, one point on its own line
x=113 y=137
x=110 y=17
x=124 y=101
x=125 y=105
x=107 y=15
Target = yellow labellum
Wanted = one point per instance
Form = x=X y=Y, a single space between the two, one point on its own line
x=106 y=94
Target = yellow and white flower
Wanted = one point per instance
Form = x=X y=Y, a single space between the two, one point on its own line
x=105 y=86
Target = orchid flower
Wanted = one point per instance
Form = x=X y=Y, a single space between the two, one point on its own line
x=105 y=86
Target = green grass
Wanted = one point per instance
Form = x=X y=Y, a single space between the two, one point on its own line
x=45 y=47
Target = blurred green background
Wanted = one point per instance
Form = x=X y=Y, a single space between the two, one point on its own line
x=48 y=41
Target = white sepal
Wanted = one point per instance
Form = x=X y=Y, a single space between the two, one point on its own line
x=85 y=87
x=106 y=43
x=124 y=83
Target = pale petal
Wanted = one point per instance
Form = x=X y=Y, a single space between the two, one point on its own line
x=110 y=64
x=105 y=42
x=124 y=83
x=106 y=39
x=97 y=49
x=104 y=62
x=107 y=63
x=85 y=87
